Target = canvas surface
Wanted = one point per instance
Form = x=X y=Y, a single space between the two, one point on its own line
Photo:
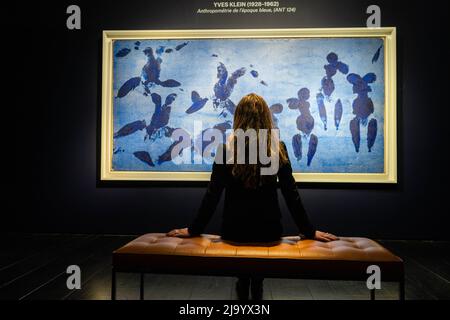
x=327 y=98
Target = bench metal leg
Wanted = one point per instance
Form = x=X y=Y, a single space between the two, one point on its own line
x=372 y=294
x=141 y=291
x=401 y=290
x=113 y=284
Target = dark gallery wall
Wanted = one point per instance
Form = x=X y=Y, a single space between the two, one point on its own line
x=51 y=109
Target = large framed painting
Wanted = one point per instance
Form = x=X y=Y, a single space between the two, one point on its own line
x=332 y=94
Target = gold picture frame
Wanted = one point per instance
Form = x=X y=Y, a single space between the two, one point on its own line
x=390 y=110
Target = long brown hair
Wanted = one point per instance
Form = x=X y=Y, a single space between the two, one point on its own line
x=252 y=112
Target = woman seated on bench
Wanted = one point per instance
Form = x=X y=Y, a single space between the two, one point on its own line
x=251 y=213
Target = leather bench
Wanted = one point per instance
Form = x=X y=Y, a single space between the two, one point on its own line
x=346 y=259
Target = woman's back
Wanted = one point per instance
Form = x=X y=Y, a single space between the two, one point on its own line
x=251 y=214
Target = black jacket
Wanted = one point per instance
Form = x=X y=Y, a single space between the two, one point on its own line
x=251 y=215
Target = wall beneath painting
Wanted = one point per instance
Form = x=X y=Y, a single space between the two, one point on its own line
x=52 y=162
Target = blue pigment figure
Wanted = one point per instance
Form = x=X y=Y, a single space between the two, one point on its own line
x=305 y=124
x=362 y=108
x=328 y=87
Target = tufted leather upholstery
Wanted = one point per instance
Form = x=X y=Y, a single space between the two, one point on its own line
x=347 y=258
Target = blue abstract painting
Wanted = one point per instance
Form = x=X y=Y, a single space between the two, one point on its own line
x=327 y=97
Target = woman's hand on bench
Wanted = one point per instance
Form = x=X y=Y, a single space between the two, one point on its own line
x=319 y=236
x=180 y=233
x=325 y=237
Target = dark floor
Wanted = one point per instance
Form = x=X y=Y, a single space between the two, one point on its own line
x=34 y=267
